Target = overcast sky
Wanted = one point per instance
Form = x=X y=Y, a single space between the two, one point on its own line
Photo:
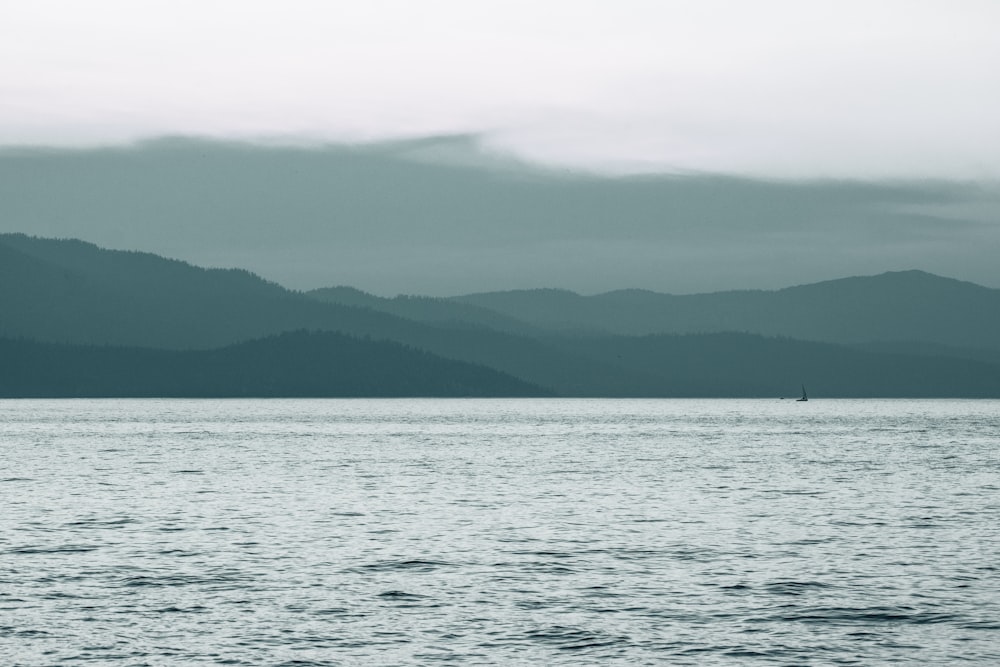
x=788 y=88
x=448 y=146
x=424 y=217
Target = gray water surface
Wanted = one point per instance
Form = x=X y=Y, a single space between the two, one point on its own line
x=358 y=532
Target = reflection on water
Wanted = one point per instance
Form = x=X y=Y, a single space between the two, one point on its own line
x=481 y=532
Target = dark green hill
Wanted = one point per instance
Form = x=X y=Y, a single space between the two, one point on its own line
x=991 y=356
x=297 y=364
x=71 y=291
x=324 y=364
x=906 y=306
x=431 y=310
x=74 y=292
x=748 y=365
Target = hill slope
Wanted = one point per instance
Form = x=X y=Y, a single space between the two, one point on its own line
x=297 y=364
x=748 y=365
x=323 y=364
x=430 y=310
x=907 y=306
x=74 y=292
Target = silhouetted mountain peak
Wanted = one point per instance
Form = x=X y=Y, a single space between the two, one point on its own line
x=910 y=278
x=127 y=266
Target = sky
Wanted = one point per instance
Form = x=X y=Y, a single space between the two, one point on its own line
x=433 y=216
x=449 y=146
x=779 y=88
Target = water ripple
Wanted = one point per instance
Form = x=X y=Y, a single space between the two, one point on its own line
x=500 y=532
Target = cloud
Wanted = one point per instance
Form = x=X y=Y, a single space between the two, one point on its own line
x=778 y=87
x=440 y=217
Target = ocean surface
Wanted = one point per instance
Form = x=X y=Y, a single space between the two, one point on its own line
x=537 y=532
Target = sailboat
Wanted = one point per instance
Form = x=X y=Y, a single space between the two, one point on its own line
x=804 y=397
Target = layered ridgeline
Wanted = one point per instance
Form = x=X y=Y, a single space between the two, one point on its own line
x=68 y=291
x=296 y=364
x=73 y=293
x=912 y=309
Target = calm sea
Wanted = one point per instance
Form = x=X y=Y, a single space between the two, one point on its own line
x=543 y=532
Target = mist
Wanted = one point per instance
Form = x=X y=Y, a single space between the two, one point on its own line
x=857 y=90
x=440 y=216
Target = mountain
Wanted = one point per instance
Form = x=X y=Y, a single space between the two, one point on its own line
x=325 y=364
x=296 y=364
x=430 y=310
x=71 y=291
x=903 y=307
x=991 y=356
x=76 y=294
x=68 y=291
x=747 y=365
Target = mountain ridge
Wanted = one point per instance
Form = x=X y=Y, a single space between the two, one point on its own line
x=205 y=311
x=72 y=292
x=904 y=306
x=293 y=364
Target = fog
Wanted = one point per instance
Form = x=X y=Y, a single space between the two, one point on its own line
x=776 y=88
x=440 y=216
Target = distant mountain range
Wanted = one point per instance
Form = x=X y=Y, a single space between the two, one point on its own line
x=906 y=306
x=296 y=364
x=100 y=313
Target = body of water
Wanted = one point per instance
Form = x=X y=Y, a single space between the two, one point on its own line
x=383 y=532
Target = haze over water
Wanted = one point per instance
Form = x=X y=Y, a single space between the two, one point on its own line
x=499 y=531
